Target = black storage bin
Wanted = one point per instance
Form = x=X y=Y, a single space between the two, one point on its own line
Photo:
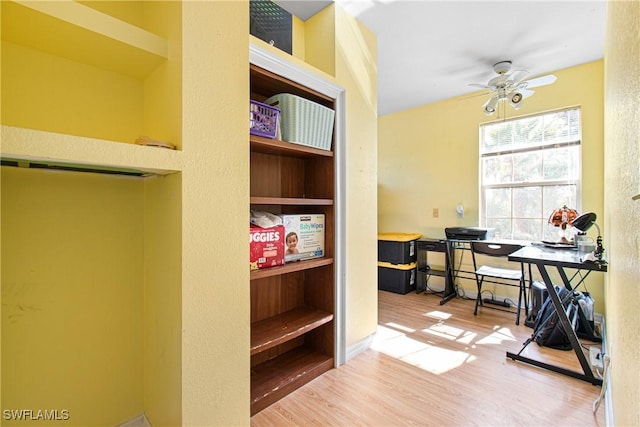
x=397 y=248
x=271 y=23
x=399 y=279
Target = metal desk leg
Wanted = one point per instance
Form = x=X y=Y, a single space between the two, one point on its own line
x=449 y=282
x=587 y=374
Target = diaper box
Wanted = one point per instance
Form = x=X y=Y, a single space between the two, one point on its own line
x=266 y=247
x=304 y=236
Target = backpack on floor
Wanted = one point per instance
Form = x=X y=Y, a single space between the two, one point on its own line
x=548 y=330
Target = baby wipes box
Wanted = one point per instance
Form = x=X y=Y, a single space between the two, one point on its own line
x=304 y=236
x=266 y=247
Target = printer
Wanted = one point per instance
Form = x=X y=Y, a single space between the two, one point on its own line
x=469 y=233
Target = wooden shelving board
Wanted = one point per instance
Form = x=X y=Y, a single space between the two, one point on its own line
x=276 y=330
x=298 y=201
x=275 y=146
x=274 y=379
x=290 y=268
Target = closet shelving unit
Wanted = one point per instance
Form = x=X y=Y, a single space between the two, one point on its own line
x=292 y=306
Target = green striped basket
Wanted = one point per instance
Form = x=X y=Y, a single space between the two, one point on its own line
x=304 y=122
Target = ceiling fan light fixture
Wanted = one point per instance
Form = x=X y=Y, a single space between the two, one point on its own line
x=516 y=100
x=511 y=87
x=490 y=106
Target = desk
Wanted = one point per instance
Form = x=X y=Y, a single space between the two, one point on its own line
x=425 y=245
x=450 y=272
x=561 y=259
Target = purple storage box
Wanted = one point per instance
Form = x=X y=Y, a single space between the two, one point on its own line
x=263 y=119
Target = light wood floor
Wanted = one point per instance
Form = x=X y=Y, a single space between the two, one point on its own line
x=441 y=365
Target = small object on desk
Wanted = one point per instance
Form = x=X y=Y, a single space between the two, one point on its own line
x=559 y=245
x=469 y=233
x=586 y=247
x=584 y=223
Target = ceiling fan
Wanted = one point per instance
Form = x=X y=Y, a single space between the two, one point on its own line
x=510 y=87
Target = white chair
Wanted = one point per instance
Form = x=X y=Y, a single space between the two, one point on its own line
x=498 y=275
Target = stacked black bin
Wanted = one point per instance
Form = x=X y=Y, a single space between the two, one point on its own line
x=397 y=262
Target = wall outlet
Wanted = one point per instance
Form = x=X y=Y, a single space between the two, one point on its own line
x=436 y=212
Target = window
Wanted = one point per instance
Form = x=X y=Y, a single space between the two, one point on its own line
x=528 y=168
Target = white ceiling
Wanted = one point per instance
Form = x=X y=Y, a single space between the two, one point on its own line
x=431 y=50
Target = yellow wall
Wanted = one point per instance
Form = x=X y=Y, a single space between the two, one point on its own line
x=355 y=63
x=162 y=374
x=72 y=319
x=320 y=40
x=215 y=280
x=298 y=38
x=428 y=158
x=162 y=300
x=622 y=214
x=161 y=90
x=41 y=97
x=1 y=351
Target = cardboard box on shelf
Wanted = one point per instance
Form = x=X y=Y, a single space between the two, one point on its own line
x=266 y=247
x=304 y=236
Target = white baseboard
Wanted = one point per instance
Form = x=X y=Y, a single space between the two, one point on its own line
x=137 y=421
x=359 y=347
x=608 y=403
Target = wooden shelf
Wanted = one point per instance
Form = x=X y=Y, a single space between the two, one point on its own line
x=74 y=31
x=290 y=268
x=298 y=201
x=275 y=146
x=272 y=380
x=276 y=330
x=59 y=150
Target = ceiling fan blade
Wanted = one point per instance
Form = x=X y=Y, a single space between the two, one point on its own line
x=526 y=92
x=537 y=82
x=517 y=76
